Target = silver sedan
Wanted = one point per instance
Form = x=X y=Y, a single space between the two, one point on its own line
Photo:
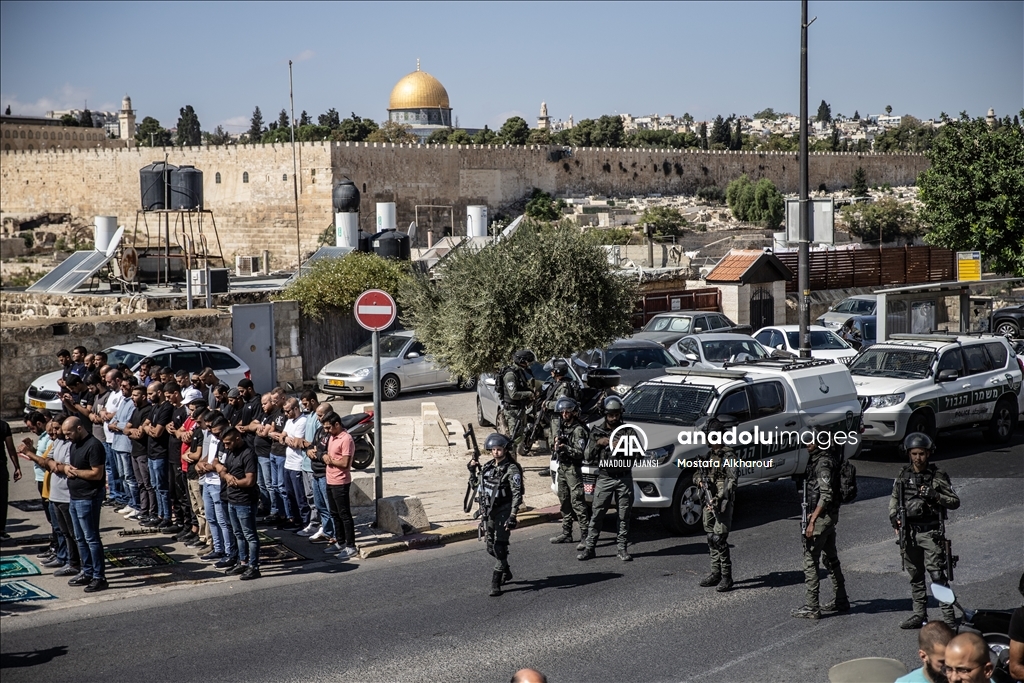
x=712 y=350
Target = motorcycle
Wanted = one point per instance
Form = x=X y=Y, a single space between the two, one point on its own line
x=991 y=624
x=360 y=427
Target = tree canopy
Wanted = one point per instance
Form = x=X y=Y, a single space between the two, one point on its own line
x=514 y=131
x=392 y=131
x=256 y=127
x=190 y=133
x=759 y=202
x=886 y=218
x=151 y=134
x=545 y=288
x=824 y=113
x=542 y=206
x=667 y=221
x=336 y=282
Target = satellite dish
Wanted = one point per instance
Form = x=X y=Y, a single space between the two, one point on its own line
x=412 y=232
x=129 y=264
x=115 y=242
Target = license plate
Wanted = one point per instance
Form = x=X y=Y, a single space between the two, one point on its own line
x=36 y=404
x=335 y=382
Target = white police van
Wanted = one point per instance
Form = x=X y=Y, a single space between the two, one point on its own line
x=930 y=382
x=776 y=401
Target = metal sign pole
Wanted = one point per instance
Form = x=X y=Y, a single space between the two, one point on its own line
x=378 y=470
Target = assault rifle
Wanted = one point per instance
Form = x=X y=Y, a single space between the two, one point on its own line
x=474 y=478
x=803 y=511
x=539 y=415
x=901 y=517
x=709 y=501
x=947 y=547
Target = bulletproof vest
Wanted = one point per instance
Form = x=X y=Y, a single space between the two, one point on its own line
x=814 y=482
x=918 y=509
x=521 y=384
x=716 y=474
x=495 y=490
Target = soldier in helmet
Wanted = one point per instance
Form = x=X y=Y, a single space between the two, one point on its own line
x=718 y=487
x=561 y=385
x=927 y=495
x=500 y=493
x=614 y=479
x=569 y=447
x=517 y=393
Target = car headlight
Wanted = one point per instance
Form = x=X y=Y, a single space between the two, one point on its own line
x=661 y=455
x=362 y=372
x=886 y=401
x=621 y=389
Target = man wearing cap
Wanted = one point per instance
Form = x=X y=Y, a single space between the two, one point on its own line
x=233 y=409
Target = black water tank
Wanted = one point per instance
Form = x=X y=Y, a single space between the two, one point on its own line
x=346 y=197
x=187 y=188
x=153 y=183
x=391 y=244
x=365 y=242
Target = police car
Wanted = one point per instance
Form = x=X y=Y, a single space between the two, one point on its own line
x=776 y=402
x=931 y=382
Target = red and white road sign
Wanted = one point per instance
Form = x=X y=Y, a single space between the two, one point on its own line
x=375 y=310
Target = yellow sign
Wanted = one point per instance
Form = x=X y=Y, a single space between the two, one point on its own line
x=968 y=266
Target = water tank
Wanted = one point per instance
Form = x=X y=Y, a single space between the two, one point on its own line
x=153 y=183
x=476 y=221
x=106 y=226
x=187 y=188
x=386 y=216
x=391 y=244
x=346 y=230
x=345 y=197
x=364 y=242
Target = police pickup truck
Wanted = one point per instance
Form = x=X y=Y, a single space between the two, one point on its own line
x=931 y=382
x=777 y=403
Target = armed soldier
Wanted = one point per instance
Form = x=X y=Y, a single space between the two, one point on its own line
x=921 y=495
x=569 y=447
x=718 y=486
x=821 y=496
x=517 y=392
x=500 y=493
x=614 y=479
x=561 y=385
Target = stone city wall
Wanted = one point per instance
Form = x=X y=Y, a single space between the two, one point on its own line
x=254 y=205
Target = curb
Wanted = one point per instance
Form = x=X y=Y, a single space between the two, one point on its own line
x=452 y=534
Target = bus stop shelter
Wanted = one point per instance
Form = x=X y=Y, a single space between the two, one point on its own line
x=925 y=308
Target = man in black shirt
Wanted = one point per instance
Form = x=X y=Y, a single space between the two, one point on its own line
x=239 y=474
x=261 y=427
x=86 y=483
x=273 y=423
x=156 y=429
x=181 y=511
x=235 y=405
x=140 y=456
x=7 y=437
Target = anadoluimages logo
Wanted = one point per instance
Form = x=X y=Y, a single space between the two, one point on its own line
x=628 y=441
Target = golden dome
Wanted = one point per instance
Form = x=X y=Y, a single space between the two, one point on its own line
x=419 y=90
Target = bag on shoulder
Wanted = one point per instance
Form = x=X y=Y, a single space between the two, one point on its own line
x=499 y=384
x=847 y=492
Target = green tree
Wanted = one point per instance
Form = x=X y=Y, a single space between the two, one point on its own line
x=737 y=137
x=439 y=136
x=304 y=119
x=684 y=141
x=69 y=121
x=768 y=114
x=219 y=136
x=667 y=221
x=395 y=132
x=582 y=134
x=703 y=135
x=543 y=206
x=330 y=118
x=888 y=109
x=514 y=131
x=334 y=283
x=720 y=132
x=256 y=127
x=856 y=115
x=776 y=142
x=973 y=192
x=486 y=136
x=354 y=129
x=459 y=137
x=151 y=134
x=910 y=136
x=860 y=182
x=824 y=113
x=85 y=119
x=545 y=288
x=282 y=119
x=190 y=133
x=759 y=202
x=539 y=137
x=886 y=218
x=608 y=132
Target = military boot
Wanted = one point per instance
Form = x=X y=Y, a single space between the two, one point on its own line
x=806 y=612
x=840 y=604
x=725 y=584
x=587 y=554
x=506 y=576
x=496 y=584
x=914 y=621
x=564 y=537
x=583 y=541
x=712 y=579
x=624 y=555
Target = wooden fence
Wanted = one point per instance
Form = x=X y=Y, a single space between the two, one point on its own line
x=873 y=267
x=649 y=305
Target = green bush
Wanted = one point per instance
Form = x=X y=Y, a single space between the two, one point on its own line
x=335 y=283
x=757 y=202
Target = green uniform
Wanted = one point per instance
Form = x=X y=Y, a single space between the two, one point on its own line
x=571 y=443
x=612 y=482
x=517 y=388
x=926 y=496
x=557 y=389
x=720 y=483
x=501 y=487
x=821 y=488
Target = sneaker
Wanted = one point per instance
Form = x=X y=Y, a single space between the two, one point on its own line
x=67 y=570
x=347 y=552
x=333 y=548
x=227 y=563
x=310 y=529
x=237 y=569
x=250 y=574
x=53 y=562
x=123 y=510
x=167 y=527
x=212 y=557
x=289 y=525
x=190 y=537
x=149 y=522
x=836 y=606
x=46 y=554
x=272 y=519
x=97 y=585
x=173 y=529
x=806 y=612
x=197 y=542
x=80 y=579
x=318 y=536
x=133 y=514
x=914 y=621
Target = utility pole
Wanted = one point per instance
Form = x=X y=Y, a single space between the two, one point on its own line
x=295 y=176
x=803 y=270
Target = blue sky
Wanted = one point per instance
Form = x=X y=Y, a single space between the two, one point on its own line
x=503 y=59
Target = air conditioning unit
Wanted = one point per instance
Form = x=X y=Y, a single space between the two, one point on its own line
x=247 y=266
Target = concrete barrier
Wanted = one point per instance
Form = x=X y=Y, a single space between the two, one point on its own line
x=401 y=515
x=360 y=494
x=435 y=429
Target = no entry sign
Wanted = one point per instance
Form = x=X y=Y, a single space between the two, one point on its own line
x=375 y=310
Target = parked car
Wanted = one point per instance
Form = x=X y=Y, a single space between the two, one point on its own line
x=772 y=395
x=634 y=359
x=824 y=343
x=404 y=366
x=714 y=349
x=178 y=354
x=1009 y=321
x=667 y=328
x=859 y=331
x=861 y=304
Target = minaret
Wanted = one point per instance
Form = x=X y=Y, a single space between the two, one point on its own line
x=126 y=119
x=543 y=121
x=991 y=118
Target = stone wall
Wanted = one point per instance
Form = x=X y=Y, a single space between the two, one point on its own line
x=35 y=305
x=249 y=187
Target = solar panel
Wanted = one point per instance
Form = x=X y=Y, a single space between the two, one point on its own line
x=322 y=252
x=71 y=273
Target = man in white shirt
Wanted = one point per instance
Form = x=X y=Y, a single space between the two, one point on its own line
x=115 y=474
x=293 y=437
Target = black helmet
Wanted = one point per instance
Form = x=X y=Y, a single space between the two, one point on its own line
x=523 y=356
x=496 y=441
x=612 y=404
x=720 y=423
x=566 y=403
x=918 y=440
x=559 y=367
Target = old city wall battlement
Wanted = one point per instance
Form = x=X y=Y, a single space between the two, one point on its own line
x=254 y=204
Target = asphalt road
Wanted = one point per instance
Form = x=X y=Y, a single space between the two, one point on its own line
x=425 y=615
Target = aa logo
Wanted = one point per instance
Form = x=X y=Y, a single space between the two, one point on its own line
x=628 y=441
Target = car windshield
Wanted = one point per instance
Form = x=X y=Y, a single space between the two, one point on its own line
x=118 y=356
x=390 y=346
x=821 y=340
x=673 y=403
x=892 y=362
x=668 y=323
x=720 y=351
x=639 y=359
x=863 y=306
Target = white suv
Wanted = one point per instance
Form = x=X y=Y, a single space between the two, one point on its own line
x=931 y=382
x=178 y=354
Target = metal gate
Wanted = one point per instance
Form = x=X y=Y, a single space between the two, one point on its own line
x=762 y=308
x=252 y=340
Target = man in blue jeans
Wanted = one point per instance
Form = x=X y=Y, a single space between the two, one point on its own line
x=86 y=476
x=238 y=472
x=161 y=414
x=122 y=447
